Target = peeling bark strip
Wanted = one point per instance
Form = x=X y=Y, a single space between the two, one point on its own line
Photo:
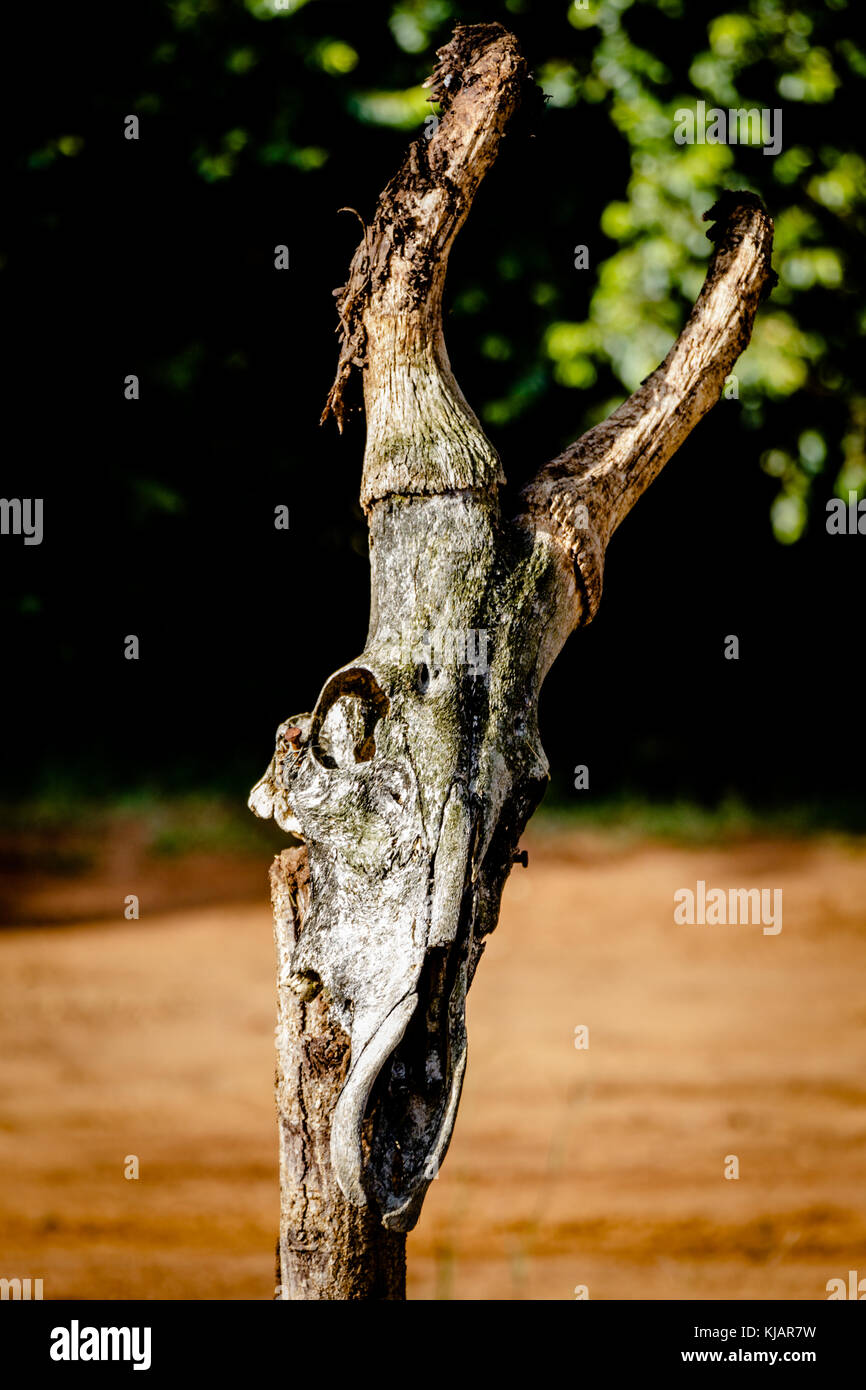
x=412 y=779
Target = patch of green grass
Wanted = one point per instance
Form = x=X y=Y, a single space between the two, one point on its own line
x=209 y=825
x=683 y=821
x=218 y=823
x=172 y=825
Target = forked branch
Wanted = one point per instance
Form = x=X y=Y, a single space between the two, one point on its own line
x=583 y=494
x=422 y=437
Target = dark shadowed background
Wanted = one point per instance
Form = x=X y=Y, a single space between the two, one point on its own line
x=156 y=257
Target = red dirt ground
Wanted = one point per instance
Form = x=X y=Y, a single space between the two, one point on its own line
x=601 y=1168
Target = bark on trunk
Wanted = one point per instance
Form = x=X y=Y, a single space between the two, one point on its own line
x=327 y=1249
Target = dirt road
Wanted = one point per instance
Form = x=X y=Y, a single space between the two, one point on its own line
x=601 y=1167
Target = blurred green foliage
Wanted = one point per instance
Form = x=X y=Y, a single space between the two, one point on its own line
x=766 y=53
x=636 y=62
x=802 y=58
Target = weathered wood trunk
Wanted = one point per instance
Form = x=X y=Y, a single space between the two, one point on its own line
x=412 y=779
x=328 y=1248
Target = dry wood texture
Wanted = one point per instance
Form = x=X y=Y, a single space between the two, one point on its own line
x=413 y=777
